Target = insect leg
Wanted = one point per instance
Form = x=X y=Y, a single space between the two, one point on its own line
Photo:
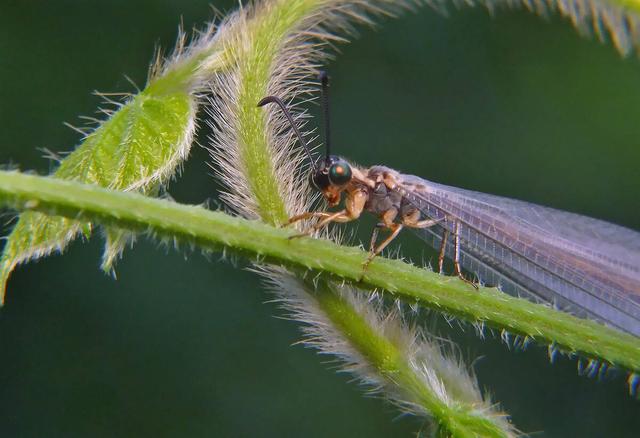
x=340 y=216
x=443 y=247
x=387 y=222
x=374 y=236
x=307 y=215
x=354 y=205
x=395 y=230
x=411 y=220
x=327 y=218
x=456 y=255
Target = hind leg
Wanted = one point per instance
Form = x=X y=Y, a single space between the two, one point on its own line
x=456 y=255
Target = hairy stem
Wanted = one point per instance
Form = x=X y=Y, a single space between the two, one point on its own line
x=255 y=65
x=257 y=241
x=389 y=359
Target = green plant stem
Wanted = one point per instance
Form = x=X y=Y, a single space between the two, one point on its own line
x=255 y=240
x=457 y=419
x=255 y=63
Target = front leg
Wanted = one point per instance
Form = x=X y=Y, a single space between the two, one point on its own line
x=307 y=215
x=354 y=205
x=326 y=218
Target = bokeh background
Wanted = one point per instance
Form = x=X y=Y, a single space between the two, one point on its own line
x=182 y=346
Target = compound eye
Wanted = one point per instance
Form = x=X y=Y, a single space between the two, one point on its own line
x=340 y=173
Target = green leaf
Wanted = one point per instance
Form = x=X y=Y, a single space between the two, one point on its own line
x=116 y=240
x=137 y=149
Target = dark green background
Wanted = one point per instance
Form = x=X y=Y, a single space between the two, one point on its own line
x=182 y=346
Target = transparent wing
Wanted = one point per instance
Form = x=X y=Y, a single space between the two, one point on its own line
x=582 y=265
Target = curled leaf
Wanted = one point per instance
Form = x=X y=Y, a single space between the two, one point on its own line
x=137 y=149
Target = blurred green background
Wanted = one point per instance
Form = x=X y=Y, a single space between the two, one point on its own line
x=182 y=346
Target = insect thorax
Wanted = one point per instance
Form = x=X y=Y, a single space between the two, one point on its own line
x=388 y=192
x=382 y=197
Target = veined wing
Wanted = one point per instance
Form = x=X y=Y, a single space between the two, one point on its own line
x=582 y=265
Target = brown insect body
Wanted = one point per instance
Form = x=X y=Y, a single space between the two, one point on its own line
x=377 y=190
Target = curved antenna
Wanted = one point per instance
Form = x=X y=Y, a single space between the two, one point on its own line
x=324 y=80
x=283 y=107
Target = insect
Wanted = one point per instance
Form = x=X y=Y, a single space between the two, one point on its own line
x=585 y=266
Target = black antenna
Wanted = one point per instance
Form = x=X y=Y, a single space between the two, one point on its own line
x=324 y=80
x=280 y=103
